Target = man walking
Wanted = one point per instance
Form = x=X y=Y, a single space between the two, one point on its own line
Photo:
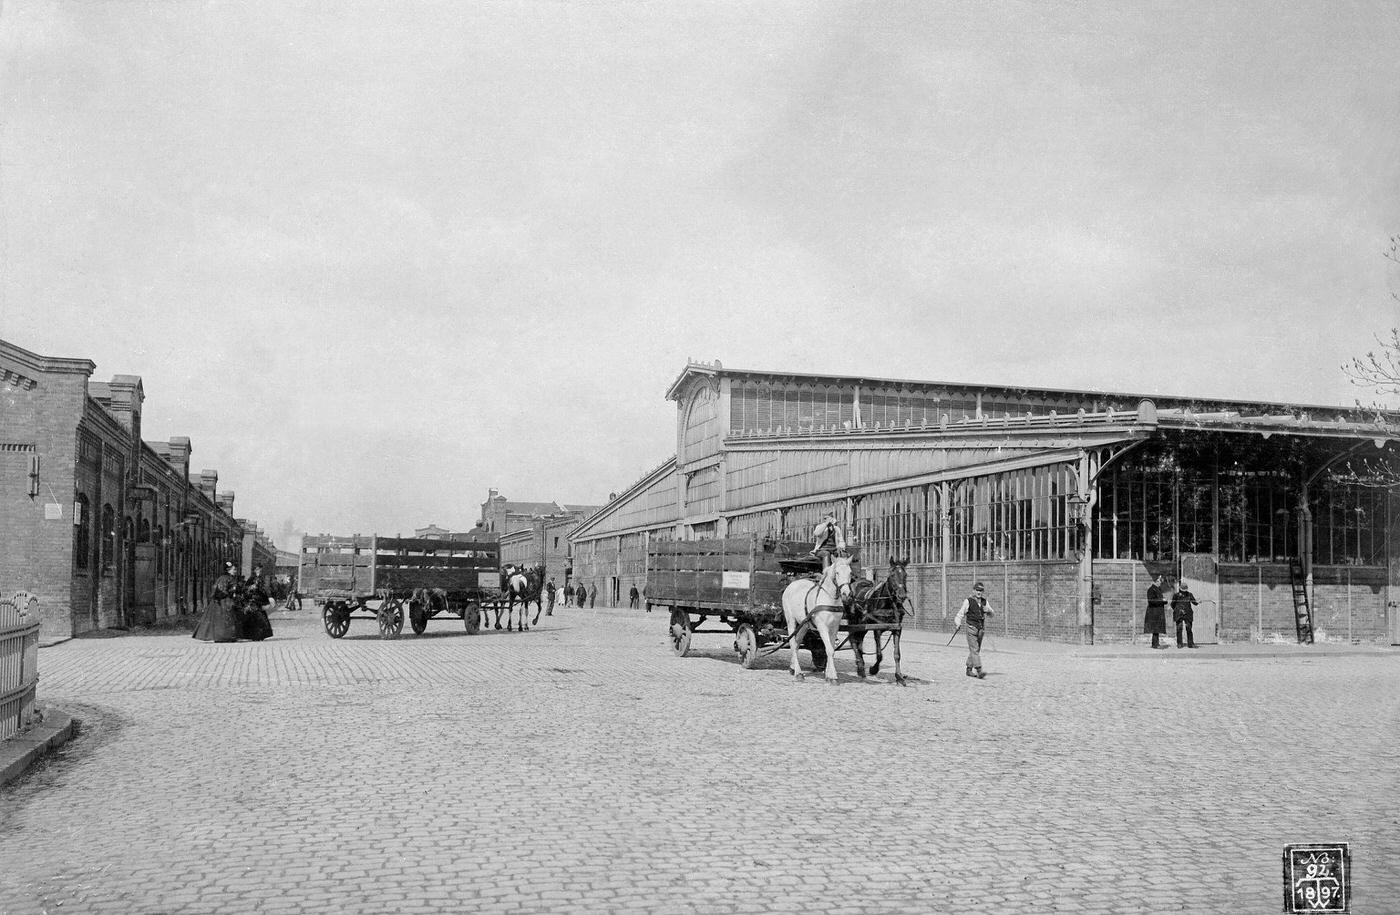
x=1182 y=614
x=549 y=590
x=974 y=613
x=634 y=598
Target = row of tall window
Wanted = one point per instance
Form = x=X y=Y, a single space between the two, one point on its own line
x=769 y=408
x=1163 y=513
x=1017 y=515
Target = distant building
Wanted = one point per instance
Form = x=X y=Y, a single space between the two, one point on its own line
x=535 y=533
x=287 y=563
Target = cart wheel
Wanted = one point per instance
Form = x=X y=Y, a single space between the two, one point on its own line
x=680 y=631
x=336 y=621
x=390 y=621
x=471 y=615
x=417 y=617
x=746 y=644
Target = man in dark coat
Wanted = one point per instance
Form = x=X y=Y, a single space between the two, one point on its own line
x=549 y=590
x=1182 y=614
x=582 y=595
x=1154 y=621
x=634 y=597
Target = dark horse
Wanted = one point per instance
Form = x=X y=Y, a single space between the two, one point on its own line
x=523 y=586
x=878 y=605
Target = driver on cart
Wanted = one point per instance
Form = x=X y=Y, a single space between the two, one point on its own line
x=829 y=541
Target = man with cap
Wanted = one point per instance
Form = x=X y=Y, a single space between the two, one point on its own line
x=974 y=613
x=829 y=541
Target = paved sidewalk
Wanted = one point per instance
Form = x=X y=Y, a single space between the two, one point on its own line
x=52 y=730
x=583 y=767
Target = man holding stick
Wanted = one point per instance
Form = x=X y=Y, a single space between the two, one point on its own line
x=974 y=614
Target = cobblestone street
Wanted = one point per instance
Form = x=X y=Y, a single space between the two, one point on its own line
x=583 y=767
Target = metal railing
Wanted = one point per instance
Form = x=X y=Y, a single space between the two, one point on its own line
x=1026 y=421
x=19 y=662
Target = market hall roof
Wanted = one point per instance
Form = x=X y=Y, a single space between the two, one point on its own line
x=1201 y=405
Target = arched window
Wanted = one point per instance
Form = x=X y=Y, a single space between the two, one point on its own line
x=82 y=537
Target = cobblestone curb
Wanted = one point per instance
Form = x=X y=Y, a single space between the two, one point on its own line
x=20 y=752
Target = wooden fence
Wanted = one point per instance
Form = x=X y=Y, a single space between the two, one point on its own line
x=19 y=662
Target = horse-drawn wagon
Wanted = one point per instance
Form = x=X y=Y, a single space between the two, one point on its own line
x=742 y=583
x=388 y=579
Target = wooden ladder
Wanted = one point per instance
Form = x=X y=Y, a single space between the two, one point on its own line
x=1302 y=612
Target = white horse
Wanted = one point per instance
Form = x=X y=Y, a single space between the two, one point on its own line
x=819 y=605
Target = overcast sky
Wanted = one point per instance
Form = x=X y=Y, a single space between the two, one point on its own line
x=376 y=258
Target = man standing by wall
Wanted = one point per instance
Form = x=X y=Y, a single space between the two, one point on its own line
x=974 y=613
x=1154 y=621
x=1182 y=614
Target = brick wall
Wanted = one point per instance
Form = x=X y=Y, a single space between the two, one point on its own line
x=37 y=550
x=1032 y=600
x=1348 y=603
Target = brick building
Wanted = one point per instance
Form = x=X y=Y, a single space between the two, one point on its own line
x=502 y=516
x=108 y=529
x=1064 y=503
x=544 y=542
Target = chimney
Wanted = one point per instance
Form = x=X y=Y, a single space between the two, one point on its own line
x=209 y=484
x=225 y=501
x=490 y=494
x=125 y=399
x=179 y=455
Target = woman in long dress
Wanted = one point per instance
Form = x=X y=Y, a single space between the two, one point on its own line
x=220 y=621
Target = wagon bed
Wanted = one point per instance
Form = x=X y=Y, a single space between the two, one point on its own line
x=388 y=579
x=735 y=584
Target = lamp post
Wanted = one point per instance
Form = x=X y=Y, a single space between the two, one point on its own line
x=1079 y=507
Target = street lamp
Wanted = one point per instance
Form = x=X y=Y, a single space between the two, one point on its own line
x=1078 y=508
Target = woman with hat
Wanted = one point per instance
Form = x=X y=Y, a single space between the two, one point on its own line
x=220 y=620
x=974 y=612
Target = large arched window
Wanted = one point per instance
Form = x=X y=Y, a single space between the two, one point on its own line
x=82 y=536
x=109 y=535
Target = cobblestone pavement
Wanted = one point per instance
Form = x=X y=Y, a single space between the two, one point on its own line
x=582 y=767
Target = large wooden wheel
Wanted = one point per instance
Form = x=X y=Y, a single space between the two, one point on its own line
x=336 y=620
x=417 y=617
x=471 y=616
x=680 y=631
x=746 y=646
x=390 y=620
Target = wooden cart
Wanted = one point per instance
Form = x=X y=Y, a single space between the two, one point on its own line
x=390 y=579
x=737 y=582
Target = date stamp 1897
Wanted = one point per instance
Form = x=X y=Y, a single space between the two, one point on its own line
x=1317 y=878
